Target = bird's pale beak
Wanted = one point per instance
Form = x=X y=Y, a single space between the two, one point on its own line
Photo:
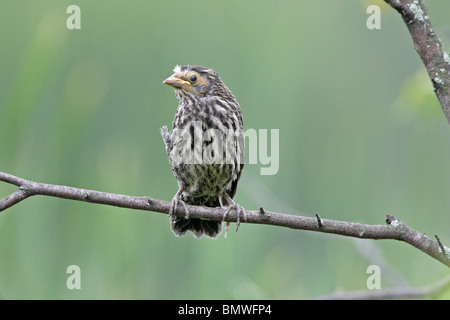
x=177 y=82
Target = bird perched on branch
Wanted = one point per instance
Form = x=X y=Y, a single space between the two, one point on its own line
x=205 y=148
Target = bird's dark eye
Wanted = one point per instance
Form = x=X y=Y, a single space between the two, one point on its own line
x=193 y=78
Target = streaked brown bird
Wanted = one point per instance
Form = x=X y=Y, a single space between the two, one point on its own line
x=205 y=147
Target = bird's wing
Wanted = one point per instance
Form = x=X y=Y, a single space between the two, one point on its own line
x=165 y=134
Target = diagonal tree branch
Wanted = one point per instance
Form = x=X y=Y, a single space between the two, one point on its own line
x=394 y=228
x=395 y=293
x=428 y=46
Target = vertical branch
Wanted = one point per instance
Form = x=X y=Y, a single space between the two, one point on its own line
x=428 y=46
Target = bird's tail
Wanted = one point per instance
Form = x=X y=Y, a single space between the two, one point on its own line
x=198 y=227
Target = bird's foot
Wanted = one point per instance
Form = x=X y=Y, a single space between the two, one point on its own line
x=239 y=210
x=174 y=204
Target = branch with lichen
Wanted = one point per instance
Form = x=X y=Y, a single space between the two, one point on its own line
x=394 y=229
x=428 y=46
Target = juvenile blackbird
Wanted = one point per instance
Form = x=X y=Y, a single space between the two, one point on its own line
x=205 y=147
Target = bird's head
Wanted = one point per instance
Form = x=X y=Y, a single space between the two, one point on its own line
x=198 y=81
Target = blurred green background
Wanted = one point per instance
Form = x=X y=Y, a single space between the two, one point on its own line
x=361 y=135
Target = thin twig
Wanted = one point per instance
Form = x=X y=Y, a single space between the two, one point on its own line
x=395 y=229
x=319 y=221
x=261 y=210
x=443 y=249
x=395 y=293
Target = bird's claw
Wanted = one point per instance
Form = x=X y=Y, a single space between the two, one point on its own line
x=239 y=210
x=174 y=204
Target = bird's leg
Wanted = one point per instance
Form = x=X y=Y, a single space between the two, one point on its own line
x=175 y=201
x=233 y=206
